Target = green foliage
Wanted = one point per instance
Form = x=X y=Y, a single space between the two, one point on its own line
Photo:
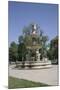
x=21 y=39
x=21 y=51
x=53 y=51
x=13 y=54
x=26 y=30
x=54 y=47
x=43 y=49
x=28 y=40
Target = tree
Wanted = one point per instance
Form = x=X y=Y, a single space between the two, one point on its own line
x=20 y=39
x=13 y=54
x=26 y=30
x=21 y=49
x=43 y=40
x=53 y=51
x=10 y=55
x=54 y=47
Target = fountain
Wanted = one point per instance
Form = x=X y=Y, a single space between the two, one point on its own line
x=33 y=56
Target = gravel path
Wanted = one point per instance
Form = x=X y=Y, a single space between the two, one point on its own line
x=48 y=76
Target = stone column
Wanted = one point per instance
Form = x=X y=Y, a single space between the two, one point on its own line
x=27 y=57
x=37 y=55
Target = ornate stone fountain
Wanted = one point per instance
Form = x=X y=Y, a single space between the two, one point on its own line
x=35 y=46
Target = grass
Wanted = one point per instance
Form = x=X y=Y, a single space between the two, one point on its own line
x=21 y=83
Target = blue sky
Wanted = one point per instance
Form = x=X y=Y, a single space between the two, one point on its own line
x=22 y=14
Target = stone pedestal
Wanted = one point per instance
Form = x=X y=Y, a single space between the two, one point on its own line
x=45 y=59
x=27 y=57
x=38 y=55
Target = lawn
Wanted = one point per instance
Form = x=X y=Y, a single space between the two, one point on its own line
x=21 y=83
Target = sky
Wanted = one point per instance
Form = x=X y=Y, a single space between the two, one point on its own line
x=22 y=14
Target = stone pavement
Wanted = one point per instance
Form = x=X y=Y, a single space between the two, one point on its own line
x=48 y=76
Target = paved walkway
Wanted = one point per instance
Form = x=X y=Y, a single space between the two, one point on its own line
x=48 y=76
